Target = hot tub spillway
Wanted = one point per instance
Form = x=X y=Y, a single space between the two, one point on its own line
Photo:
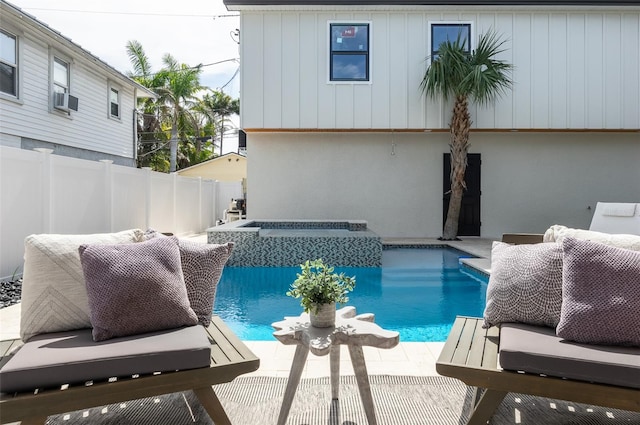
x=274 y=243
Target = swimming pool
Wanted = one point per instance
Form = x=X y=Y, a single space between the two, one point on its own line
x=417 y=292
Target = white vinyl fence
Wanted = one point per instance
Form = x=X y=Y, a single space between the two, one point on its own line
x=45 y=193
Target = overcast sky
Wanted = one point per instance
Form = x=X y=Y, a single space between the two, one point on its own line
x=193 y=31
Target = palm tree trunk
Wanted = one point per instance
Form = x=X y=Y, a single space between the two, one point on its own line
x=173 y=145
x=458 y=146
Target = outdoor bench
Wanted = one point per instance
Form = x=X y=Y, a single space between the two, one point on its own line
x=227 y=357
x=472 y=354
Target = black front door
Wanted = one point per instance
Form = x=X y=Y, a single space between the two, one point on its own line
x=469 y=222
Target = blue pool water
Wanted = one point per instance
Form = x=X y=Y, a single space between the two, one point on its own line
x=417 y=292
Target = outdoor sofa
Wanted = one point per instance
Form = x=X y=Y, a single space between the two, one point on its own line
x=114 y=317
x=562 y=321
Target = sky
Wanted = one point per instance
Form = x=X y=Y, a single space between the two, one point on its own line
x=193 y=31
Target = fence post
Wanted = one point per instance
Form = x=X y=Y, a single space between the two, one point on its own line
x=108 y=192
x=200 y=204
x=175 y=203
x=147 y=198
x=47 y=187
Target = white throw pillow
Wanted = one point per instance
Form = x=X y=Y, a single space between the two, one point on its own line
x=557 y=233
x=54 y=296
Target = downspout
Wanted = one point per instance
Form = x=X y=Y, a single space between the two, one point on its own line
x=135 y=127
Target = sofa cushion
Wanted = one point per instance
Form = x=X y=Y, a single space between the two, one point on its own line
x=202 y=266
x=54 y=297
x=525 y=284
x=600 y=294
x=538 y=349
x=135 y=288
x=51 y=360
x=557 y=233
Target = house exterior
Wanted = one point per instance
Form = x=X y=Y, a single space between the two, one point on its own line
x=56 y=95
x=331 y=105
x=230 y=167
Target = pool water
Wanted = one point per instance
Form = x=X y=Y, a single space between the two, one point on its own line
x=417 y=292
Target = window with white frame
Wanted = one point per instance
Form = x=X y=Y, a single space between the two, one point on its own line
x=61 y=80
x=449 y=31
x=8 y=63
x=349 y=51
x=114 y=102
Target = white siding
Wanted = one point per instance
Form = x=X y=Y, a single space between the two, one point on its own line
x=574 y=69
x=90 y=127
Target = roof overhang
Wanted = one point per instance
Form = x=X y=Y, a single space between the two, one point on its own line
x=40 y=27
x=258 y=4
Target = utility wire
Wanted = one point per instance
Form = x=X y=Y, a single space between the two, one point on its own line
x=152 y=74
x=173 y=15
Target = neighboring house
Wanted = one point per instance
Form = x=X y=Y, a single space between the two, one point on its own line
x=335 y=118
x=56 y=95
x=229 y=167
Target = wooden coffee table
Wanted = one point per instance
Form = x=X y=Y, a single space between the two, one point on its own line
x=354 y=331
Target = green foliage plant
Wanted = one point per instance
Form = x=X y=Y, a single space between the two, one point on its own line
x=318 y=284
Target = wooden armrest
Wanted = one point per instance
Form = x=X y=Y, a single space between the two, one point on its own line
x=522 y=238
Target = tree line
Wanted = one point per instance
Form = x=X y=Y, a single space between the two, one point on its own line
x=178 y=128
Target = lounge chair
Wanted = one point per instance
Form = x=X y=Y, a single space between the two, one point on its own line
x=493 y=361
x=228 y=358
x=471 y=355
x=608 y=217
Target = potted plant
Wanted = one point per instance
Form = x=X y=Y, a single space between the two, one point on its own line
x=319 y=289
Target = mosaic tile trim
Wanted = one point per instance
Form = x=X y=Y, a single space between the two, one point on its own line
x=360 y=249
x=413 y=246
x=352 y=226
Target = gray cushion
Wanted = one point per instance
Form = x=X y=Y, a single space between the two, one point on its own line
x=525 y=284
x=135 y=288
x=54 y=297
x=51 y=360
x=600 y=294
x=202 y=266
x=537 y=349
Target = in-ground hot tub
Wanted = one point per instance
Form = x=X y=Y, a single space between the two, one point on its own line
x=290 y=243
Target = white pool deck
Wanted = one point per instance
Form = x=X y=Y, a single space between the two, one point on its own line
x=408 y=358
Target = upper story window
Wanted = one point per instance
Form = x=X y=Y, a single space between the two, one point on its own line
x=349 y=48
x=449 y=31
x=8 y=63
x=61 y=82
x=114 y=102
x=60 y=76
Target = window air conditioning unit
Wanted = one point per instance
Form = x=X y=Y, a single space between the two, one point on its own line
x=64 y=101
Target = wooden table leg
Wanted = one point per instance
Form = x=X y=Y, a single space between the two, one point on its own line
x=484 y=406
x=212 y=405
x=334 y=360
x=360 y=369
x=34 y=421
x=297 y=366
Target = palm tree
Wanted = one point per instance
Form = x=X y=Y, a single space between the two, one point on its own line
x=181 y=83
x=216 y=106
x=150 y=135
x=463 y=76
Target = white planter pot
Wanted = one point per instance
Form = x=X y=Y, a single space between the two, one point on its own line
x=324 y=317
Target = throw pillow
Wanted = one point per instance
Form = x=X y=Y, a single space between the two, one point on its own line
x=135 y=288
x=600 y=294
x=202 y=266
x=54 y=297
x=557 y=233
x=525 y=284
